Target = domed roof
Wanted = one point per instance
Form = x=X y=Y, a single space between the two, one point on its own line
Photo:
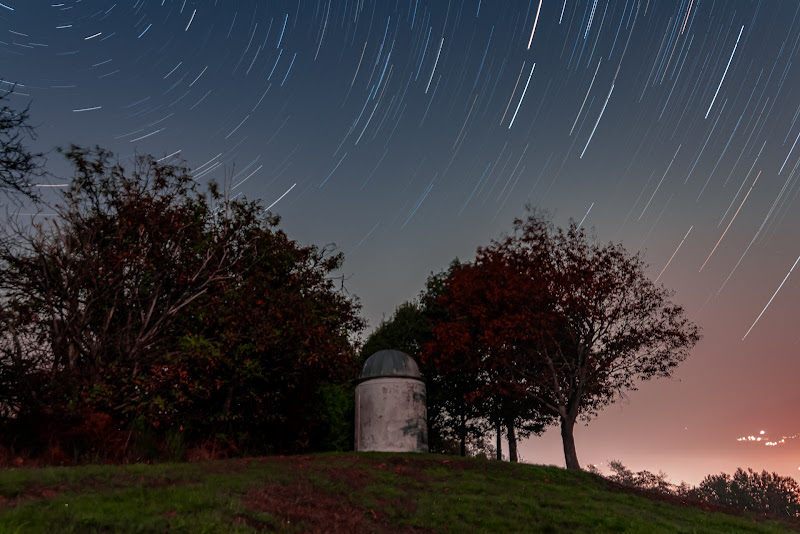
x=390 y=363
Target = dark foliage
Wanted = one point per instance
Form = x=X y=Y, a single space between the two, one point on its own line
x=747 y=491
x=18 y=165
x=642 y=479
x=764 y=492
x=555 y=325
x=147 y=316
x=474 y=301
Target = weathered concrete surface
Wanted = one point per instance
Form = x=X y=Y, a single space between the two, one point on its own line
x=391 y=415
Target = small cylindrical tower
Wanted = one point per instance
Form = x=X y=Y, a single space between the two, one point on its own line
x=391 y=409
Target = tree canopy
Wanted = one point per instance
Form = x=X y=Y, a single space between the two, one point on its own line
x=764 y=492
x=749 y=490
x=558 y=323
x=458 y=418
x=18 y=165
x=149 y=305
x=468 y=348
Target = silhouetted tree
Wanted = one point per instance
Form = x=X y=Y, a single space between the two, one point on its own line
x=18 y=165
x=146 y=303
x=405 y=330
x=641 y=479
x=553 y=317
x=748 y=490
x=765 y=493
x=468 y=347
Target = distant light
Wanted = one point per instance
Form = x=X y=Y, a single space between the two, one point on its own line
x=762 y=432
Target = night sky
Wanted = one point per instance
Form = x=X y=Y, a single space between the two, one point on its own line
x=410 y=132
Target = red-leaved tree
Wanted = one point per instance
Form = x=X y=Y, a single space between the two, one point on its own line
x=553 y=317
x=484 y=301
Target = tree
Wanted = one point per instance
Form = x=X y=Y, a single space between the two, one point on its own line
x=642 y=479
x=18 y=166
x=748 y=490
x=561 y=320
x=468 y=347
x=148 y=304
x=406 y=330
x=285 y=339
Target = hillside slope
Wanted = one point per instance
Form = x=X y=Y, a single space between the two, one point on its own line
x=351 y=492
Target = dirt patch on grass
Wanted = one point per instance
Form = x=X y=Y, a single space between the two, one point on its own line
x=402 y=467
x=417 y=469
x=352 y=477
x=31 y=493
x=300 y=503
x=355 y=472
x=34 y=492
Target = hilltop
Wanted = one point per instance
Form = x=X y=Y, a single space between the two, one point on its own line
x=346 y=492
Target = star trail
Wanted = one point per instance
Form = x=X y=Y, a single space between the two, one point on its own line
x=410 y=132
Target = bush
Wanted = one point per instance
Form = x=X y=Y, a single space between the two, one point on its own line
x=764 y=492
x=767 y=493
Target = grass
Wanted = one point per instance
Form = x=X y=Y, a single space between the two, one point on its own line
x=351 y=492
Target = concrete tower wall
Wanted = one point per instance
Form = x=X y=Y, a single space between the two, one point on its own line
x=391 y=415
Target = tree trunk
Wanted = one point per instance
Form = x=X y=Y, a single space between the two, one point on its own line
x=512 y=442
x=570 y=454
x=499 y=440
x=462 y=430
x=72 y=353
x=226 y=407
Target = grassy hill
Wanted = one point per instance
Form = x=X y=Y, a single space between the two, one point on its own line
x=352 y=492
